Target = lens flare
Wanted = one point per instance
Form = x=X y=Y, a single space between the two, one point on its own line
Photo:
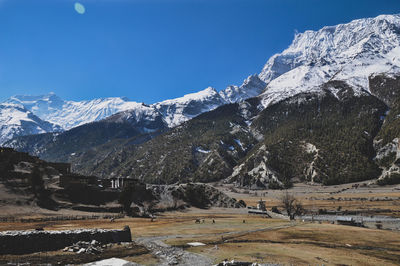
x=79 y=8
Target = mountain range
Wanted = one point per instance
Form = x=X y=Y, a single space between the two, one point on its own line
x=54 y=114
x=324 y=110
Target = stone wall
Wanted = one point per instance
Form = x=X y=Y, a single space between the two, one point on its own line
x=23 y=242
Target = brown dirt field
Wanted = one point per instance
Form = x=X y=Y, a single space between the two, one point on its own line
x=371 y=200
x=276 y=241
x=258 y=239
x=305 y=244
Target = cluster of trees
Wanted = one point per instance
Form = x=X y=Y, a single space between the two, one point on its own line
x=342 y=130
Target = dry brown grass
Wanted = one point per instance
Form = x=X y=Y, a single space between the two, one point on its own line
x=308 y=244
x=276 y=241
x=313 y=198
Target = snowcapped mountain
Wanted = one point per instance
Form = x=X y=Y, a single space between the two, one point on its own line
x=251 y=87
x=181 y=109
x=69 y=114
x=349 y=52
x=352 y=52
x=168 y=113
x=15 y=120
x=144 y=118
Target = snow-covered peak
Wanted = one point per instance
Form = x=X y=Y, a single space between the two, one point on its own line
x=179 y=110
x=145 y=118
x=69 y=114
x=251 y=87
x=15 y=120
x=350 y=52
x=203 y=95
x=41 y=105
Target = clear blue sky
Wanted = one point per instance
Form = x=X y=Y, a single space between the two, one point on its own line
x=151 y=50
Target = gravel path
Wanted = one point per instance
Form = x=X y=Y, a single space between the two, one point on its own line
x=172 y=255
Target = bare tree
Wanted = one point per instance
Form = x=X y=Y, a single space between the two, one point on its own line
x=292 y=206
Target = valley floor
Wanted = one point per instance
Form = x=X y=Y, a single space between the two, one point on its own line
x=240 y=236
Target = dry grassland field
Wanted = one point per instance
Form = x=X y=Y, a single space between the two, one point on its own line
x=244 y=237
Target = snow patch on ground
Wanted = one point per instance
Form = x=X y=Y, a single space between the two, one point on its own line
x=112 y=261
x=239 y=143
x=201 y=150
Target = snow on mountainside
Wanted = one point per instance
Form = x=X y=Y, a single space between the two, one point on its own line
x=351 y=52
x=251 y=87
x=69 y=114
x=145 y=118
x=168 y=113
x=15 y=120
x=181 y=109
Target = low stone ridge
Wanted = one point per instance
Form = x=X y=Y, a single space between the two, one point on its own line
x=24 y=242
x=193 y=194
x=93 y=247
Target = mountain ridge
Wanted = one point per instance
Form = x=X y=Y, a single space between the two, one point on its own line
x=70 y=114
x=352 y=52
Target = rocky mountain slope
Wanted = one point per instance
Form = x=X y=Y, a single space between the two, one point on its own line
x=328 y=114
x=351 y=52
x=136 y=125
x=386 y=143
x=308 y=137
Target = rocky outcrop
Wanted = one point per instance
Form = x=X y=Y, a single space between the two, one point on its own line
x=389 y=158
x=193 y=194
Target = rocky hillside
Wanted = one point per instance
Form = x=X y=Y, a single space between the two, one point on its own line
x=191 y=194
x=322 y=138
x=64 y=146
x=316 y=137
x=387 y=142
x=203 y=149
